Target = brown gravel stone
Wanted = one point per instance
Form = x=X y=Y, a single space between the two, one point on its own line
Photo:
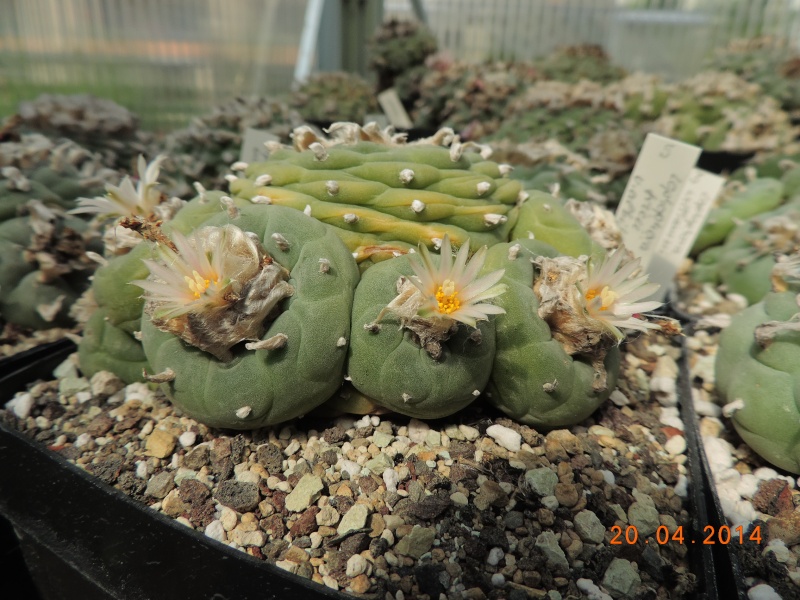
x=193 y=492
x=160 y=444
x=360 y=584
x=306 y=524
x=100 y=425
x=196 y=458
x=772 y=496
x=567 y=494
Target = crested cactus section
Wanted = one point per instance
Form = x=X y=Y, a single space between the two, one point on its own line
x=244 y=326
x=757 y=373
x=383 y=193
x=422 y=342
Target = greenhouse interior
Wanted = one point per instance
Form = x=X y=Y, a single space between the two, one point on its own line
x=560 y=353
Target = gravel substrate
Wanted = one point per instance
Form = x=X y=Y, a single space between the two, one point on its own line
x=14 y=340
x=752 y=493
x=473 y=506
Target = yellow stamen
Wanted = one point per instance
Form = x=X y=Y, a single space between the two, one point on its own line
x=447 y=298
x=607 y=297
x=198 y=285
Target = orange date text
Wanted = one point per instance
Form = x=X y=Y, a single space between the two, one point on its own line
x=711 y=535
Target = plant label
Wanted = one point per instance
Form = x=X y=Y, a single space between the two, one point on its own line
x=391 y=105
x=677 y=237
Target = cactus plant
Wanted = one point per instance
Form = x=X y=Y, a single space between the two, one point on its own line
x=384 y=197
x=744 y=262
x=217 y=287
x=44 y=267
x=397 y=47
x=99 y=124
x=440 y=357
x=204 y=151
x=757 y=369
x=741 y=203
x=329 y=97
x=573 y=63
x=557 y=354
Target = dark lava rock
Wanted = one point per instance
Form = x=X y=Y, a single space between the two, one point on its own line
x=270 y=457
x=427 y=577
x=241 y=497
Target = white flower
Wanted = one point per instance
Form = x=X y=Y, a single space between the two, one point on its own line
x=611 y=293
x=126 y=200
x=214 y=289
x=432 y=303
x=451 y=290
x=201 y=273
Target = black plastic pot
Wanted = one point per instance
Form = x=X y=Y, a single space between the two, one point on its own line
x=82 y=539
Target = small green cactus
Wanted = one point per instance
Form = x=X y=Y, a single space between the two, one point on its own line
x=43 y=267
x=757 y=370
x=286 y=371
x=535 y=379
x=744 y=262
x=758 y=196
x=423 y=345
x=397 y=47
x=330 y=97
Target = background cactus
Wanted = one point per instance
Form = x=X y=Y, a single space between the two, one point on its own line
x=757 y=368
x=204 y=151
x=573 y=63
x=43 y=267
x=98 y=124
x=329 y=97
x=397 y=47
x=744 y=262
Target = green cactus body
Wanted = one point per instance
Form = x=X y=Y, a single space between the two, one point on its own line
x=385 y=364
x=534 y=380
x=263 y=387
x=384 y=196
x=744 y=262
x=106 y=347
x=26 y=292
x=765 y=378
x=759 y=196
x=547 y=220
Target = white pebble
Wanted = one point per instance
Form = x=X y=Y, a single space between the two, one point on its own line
x=762 y=592
x=675 y=445
x=765 y=473
x=187 y=438
x=21 y=405
x=349 y=467
x=682 y=486
x=588 y=587
x=498 y=580
x=139 y=391
x=391 y=479
x=505 y=437
x=704 y=408
x=141 y=469
x=356 y=565
x=495 y=556
x=418 y=431
x=82 y=440
x=470 y=433
x=608 y=476
x=216 y=531
x=747 y=486
x=83 y=397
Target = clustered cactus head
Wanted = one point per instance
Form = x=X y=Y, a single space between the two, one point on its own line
x=214 y=288
x=336 y=96
x=433 y=302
